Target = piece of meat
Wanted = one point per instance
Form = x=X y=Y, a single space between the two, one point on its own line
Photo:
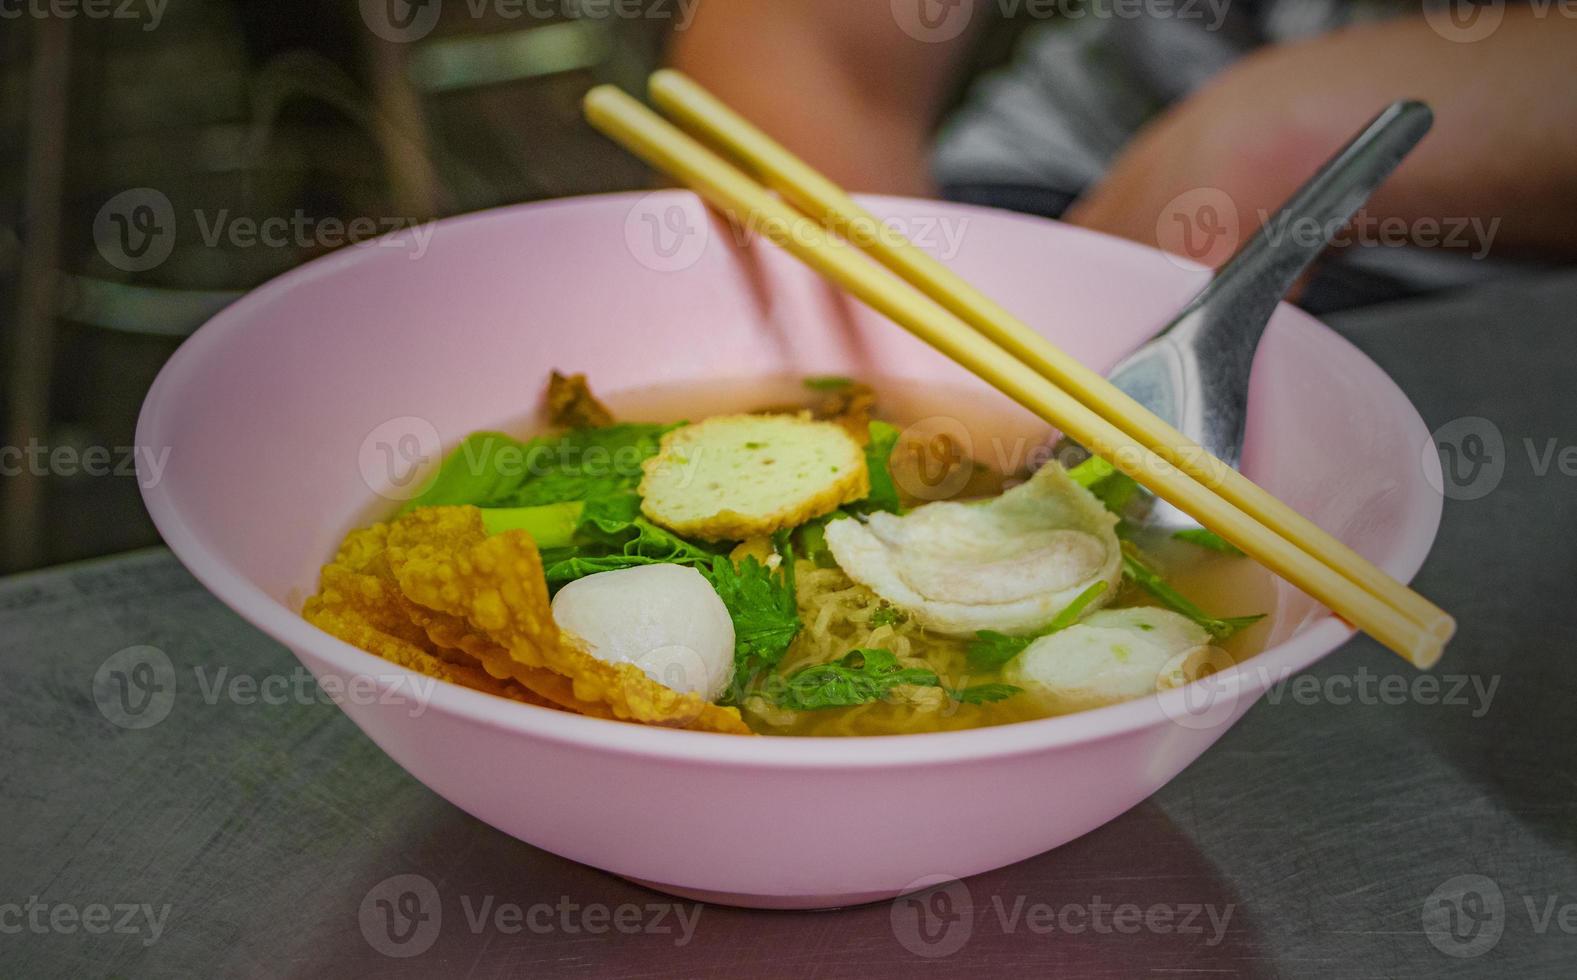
x=850 y=406
x=571 y=405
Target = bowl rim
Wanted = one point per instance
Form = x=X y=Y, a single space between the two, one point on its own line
x=1242 y=681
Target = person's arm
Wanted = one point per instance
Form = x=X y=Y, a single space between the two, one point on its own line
x=1504 y=147
x=839 y=82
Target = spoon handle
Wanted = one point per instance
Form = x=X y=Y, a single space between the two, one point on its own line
x=1246 y=291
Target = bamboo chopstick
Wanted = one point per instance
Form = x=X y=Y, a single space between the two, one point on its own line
x=741 y=198
x=705 y=116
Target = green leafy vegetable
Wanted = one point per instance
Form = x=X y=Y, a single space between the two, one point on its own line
x=492 y=470
x=611 y=534
x=584 y=464
x=550 y=526
x=1150 y=580
x=985 y=693
x=762 y=605
x=829 y=382
x=1090 y=472
x=485 y=467
x=863 y=676
x=878 y=456
x=1115 y=490
x=860 y=677
x=1208 y=539
x=990 y=650
x=812 y=538
x=886 y=615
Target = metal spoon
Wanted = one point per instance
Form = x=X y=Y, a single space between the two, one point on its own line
x=1195 y=372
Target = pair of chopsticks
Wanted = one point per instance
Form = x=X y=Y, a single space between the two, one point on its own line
x=899 y=280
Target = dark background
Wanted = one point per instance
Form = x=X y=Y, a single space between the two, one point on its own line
x=250 y=109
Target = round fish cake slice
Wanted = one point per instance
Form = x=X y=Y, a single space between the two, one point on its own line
x=1115 y=655
x=735 y=477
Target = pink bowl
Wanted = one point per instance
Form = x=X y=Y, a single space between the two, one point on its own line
x=285 y=413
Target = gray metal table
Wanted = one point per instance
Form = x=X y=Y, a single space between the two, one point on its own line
x=245 y=833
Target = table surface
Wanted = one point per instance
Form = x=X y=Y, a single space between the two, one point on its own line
x=241 y=835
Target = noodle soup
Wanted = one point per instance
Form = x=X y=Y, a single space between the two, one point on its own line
x=817 y=557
